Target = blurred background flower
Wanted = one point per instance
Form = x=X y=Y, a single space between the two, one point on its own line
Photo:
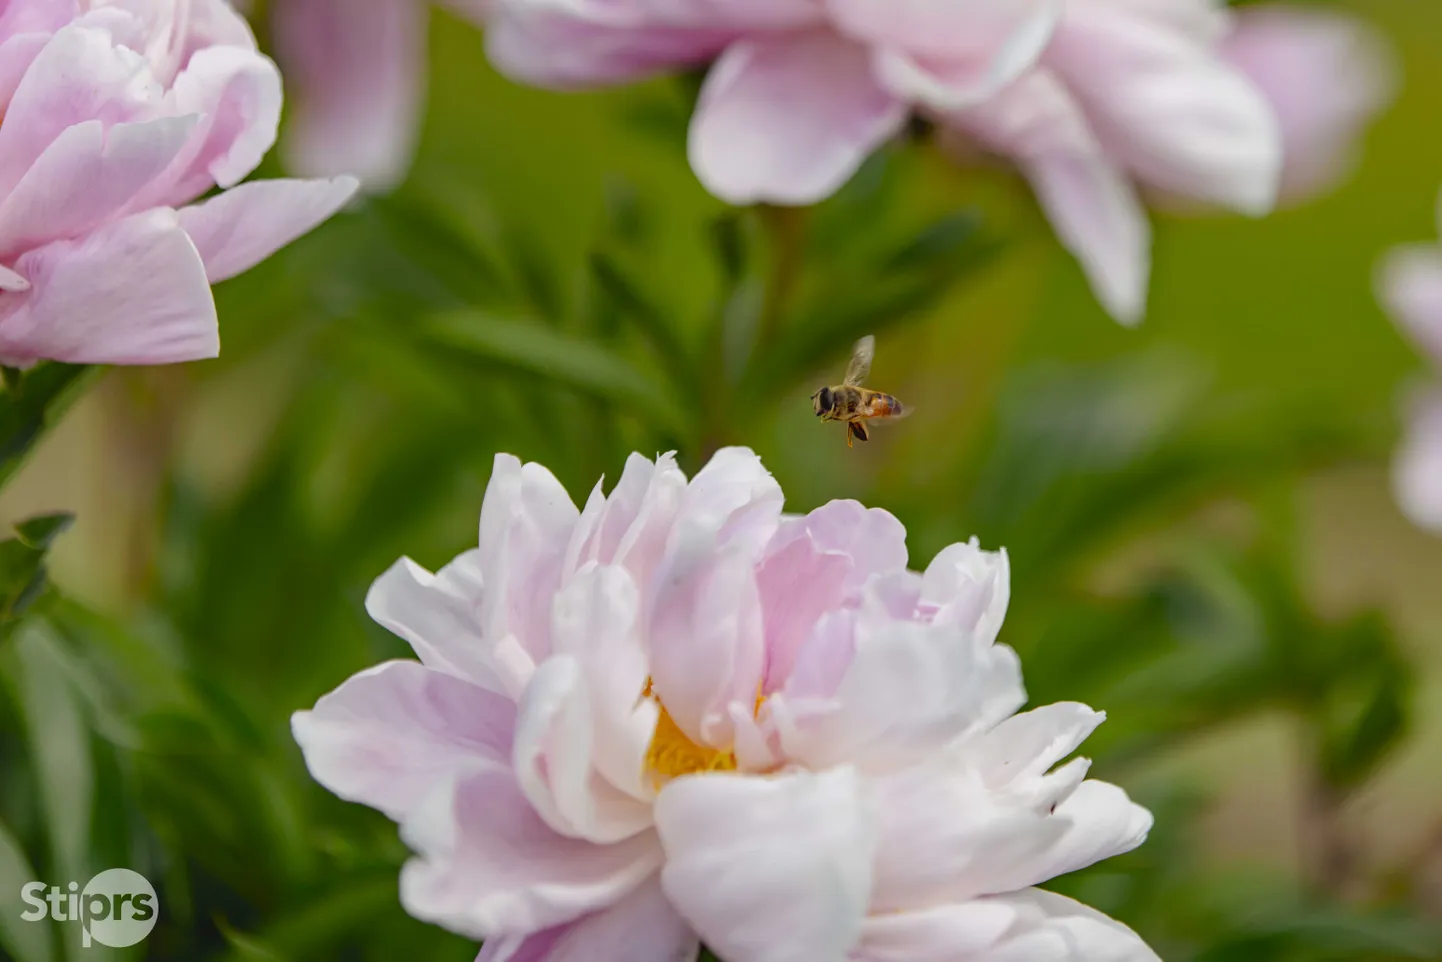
x=1198 y=511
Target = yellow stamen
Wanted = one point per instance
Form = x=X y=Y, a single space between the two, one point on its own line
x=672 y=753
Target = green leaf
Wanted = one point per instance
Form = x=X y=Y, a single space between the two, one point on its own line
x=31 y=404
x=58 y=739
x=626 y=296
x=579 y=364
x=24 y=941
x=22 y=564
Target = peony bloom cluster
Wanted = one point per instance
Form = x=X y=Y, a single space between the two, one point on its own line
x=118 y=116
x=678 y=716
x=1410 y=287
x=356 y=74
x=1091 y=99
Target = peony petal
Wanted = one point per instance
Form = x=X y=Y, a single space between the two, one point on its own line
x=1326 y=76
x=789 y=118
x=1098 y=820
x=1409 y=285
x=577 y=45
x=356 y=81
x=595 y=621
x=944 y=933
x=489 y=866
x=1417 y=465
x=238 y=93
x=1053 y=928
x=554 y=747
x=133 y=292
x=1091 y=205
x=1176 y=115
x=706 y=643
x=81 y=74
x=909 y=689
x=391 y=734
x=243 y=226
x=771 y=869
x=438 y=614
x=954 y=54
x=86 y=176
x=526 y=524
x=969 y=588
x=944 y=836
x=1025 y=746
x=642 y=926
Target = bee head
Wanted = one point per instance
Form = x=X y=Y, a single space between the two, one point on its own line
x=822 y=401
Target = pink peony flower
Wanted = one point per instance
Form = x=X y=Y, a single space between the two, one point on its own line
x=678 y=716
x=356 y=71
x=116 y=117
x=800 y=91
x=1410 y=287
x=1326 y=76
x=1131 y=92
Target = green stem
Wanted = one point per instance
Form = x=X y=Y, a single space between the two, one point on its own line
x=787 y=229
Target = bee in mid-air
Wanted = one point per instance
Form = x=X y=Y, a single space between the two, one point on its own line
x=854 y=404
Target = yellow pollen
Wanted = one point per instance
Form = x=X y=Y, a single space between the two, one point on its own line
x=672 y=753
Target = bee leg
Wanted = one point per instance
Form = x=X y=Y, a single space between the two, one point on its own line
x=857 y=430
x=848 y=435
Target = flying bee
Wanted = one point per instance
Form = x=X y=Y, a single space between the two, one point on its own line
x=854 y=404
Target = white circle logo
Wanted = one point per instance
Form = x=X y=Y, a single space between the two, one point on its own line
x=118 y=908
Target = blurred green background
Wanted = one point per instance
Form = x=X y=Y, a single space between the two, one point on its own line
x=1197 y=511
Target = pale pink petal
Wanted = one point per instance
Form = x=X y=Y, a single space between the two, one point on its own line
x=1417 y=465
x=1168 y=108
x=1090 y=203
x=488 y=865
x=595 y=622
x=1326 y=76
x=246 y=224
x=1025 y=746
x=789 y=118
x=944 y=933
x=1053 y=928
x=705 y=640
x=643 y=927
x=631 y=526
x=438 y=614
x=355 y=80
x=85 y=176
x=552 y=45
x=554 y=756
x=80 y=75
x=1409 y=285
x=393 y=733
x=951 y=54
x=798 y=584
x=526 y=523
x=969 y=588
x=771 y=869
x=237 y=92
x=944 y=837
x=132 y=292
x=733 y=498
x=11 y=281
x=17 y=53
x=1098 y=821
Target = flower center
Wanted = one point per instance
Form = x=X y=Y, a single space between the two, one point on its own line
x=672 y=753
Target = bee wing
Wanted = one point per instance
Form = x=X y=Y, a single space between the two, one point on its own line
x=860 y=365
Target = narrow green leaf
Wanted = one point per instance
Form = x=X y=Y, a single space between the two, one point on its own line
x=58 y=739
x=32 y=404
x=579 y=364
x=24 y=941
x=650 y=320
x=38 y=532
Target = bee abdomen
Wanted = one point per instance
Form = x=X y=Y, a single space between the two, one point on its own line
x=885 y=406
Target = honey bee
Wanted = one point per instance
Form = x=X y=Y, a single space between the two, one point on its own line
x=854 y=404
